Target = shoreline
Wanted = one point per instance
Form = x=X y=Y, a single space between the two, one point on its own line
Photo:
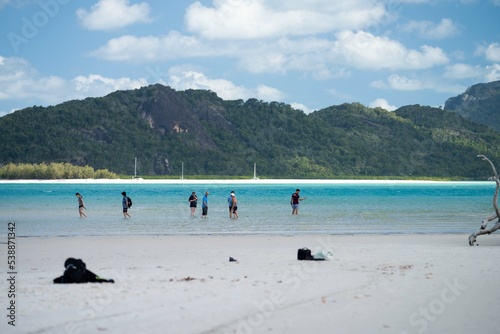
x=458 y=239
x=370 y=284
x=236 y=181
x=250 y=234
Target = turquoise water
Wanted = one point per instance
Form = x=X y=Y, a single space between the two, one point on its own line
x=51 y=209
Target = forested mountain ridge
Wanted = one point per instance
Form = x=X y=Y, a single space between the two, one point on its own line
x=479 y=103
x=164 y=128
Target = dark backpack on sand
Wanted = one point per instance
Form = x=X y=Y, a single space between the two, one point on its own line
x=77 y=272
x=305 y=254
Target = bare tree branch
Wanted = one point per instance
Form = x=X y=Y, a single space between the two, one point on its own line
x=484 y=224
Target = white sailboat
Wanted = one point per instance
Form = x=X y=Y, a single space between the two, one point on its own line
x=255 y=171
x=135 y=171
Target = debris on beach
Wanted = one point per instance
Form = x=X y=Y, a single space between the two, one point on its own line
x=187 y=279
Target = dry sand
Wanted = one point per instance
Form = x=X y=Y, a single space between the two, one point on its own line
x=186 y=284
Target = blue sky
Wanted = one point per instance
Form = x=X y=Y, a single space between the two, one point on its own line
x=310 y=54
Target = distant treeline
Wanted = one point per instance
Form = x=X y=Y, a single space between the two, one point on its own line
x=53 y=171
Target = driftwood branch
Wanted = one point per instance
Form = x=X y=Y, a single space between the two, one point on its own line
x=484 y=224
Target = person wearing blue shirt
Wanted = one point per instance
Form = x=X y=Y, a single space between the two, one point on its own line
x=204 y=205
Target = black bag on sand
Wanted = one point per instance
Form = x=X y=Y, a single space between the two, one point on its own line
x=305 y=254
x=76 y=272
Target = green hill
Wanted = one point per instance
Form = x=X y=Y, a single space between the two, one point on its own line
x=479 y=103
x=164 y=128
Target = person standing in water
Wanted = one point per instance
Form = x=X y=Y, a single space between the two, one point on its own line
x=295 y=200
x=230 y=203
x=193 y=202
x=81 y=205
x=234 y=206
x=125 y=205
x=204 y=205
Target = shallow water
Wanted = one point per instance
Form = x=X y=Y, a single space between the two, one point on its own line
x=51 y=209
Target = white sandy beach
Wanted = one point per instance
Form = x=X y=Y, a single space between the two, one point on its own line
x=186 y=284
x=231 y=181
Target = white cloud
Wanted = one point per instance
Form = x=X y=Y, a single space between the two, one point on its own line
x=266 y=62
x=323 y=72
x=493 y=73
x=186 y=79
x=323 y=57
x=477 y=72
x=364 y=50
x=492 y=52
x=283 y=55
x=426 y=29
x=182 y=79
x=18 y=80
x=399 y=82
x=23 y=84
x=112 y=14
x=267 y=93
x=151 y=48
x=403 y=83
x=379 y=84
x=463 y=71
x=382 y=103
x=257 y=19
x=97 y=85
x=300 y=106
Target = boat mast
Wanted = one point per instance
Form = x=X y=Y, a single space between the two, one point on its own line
x=135 y=168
